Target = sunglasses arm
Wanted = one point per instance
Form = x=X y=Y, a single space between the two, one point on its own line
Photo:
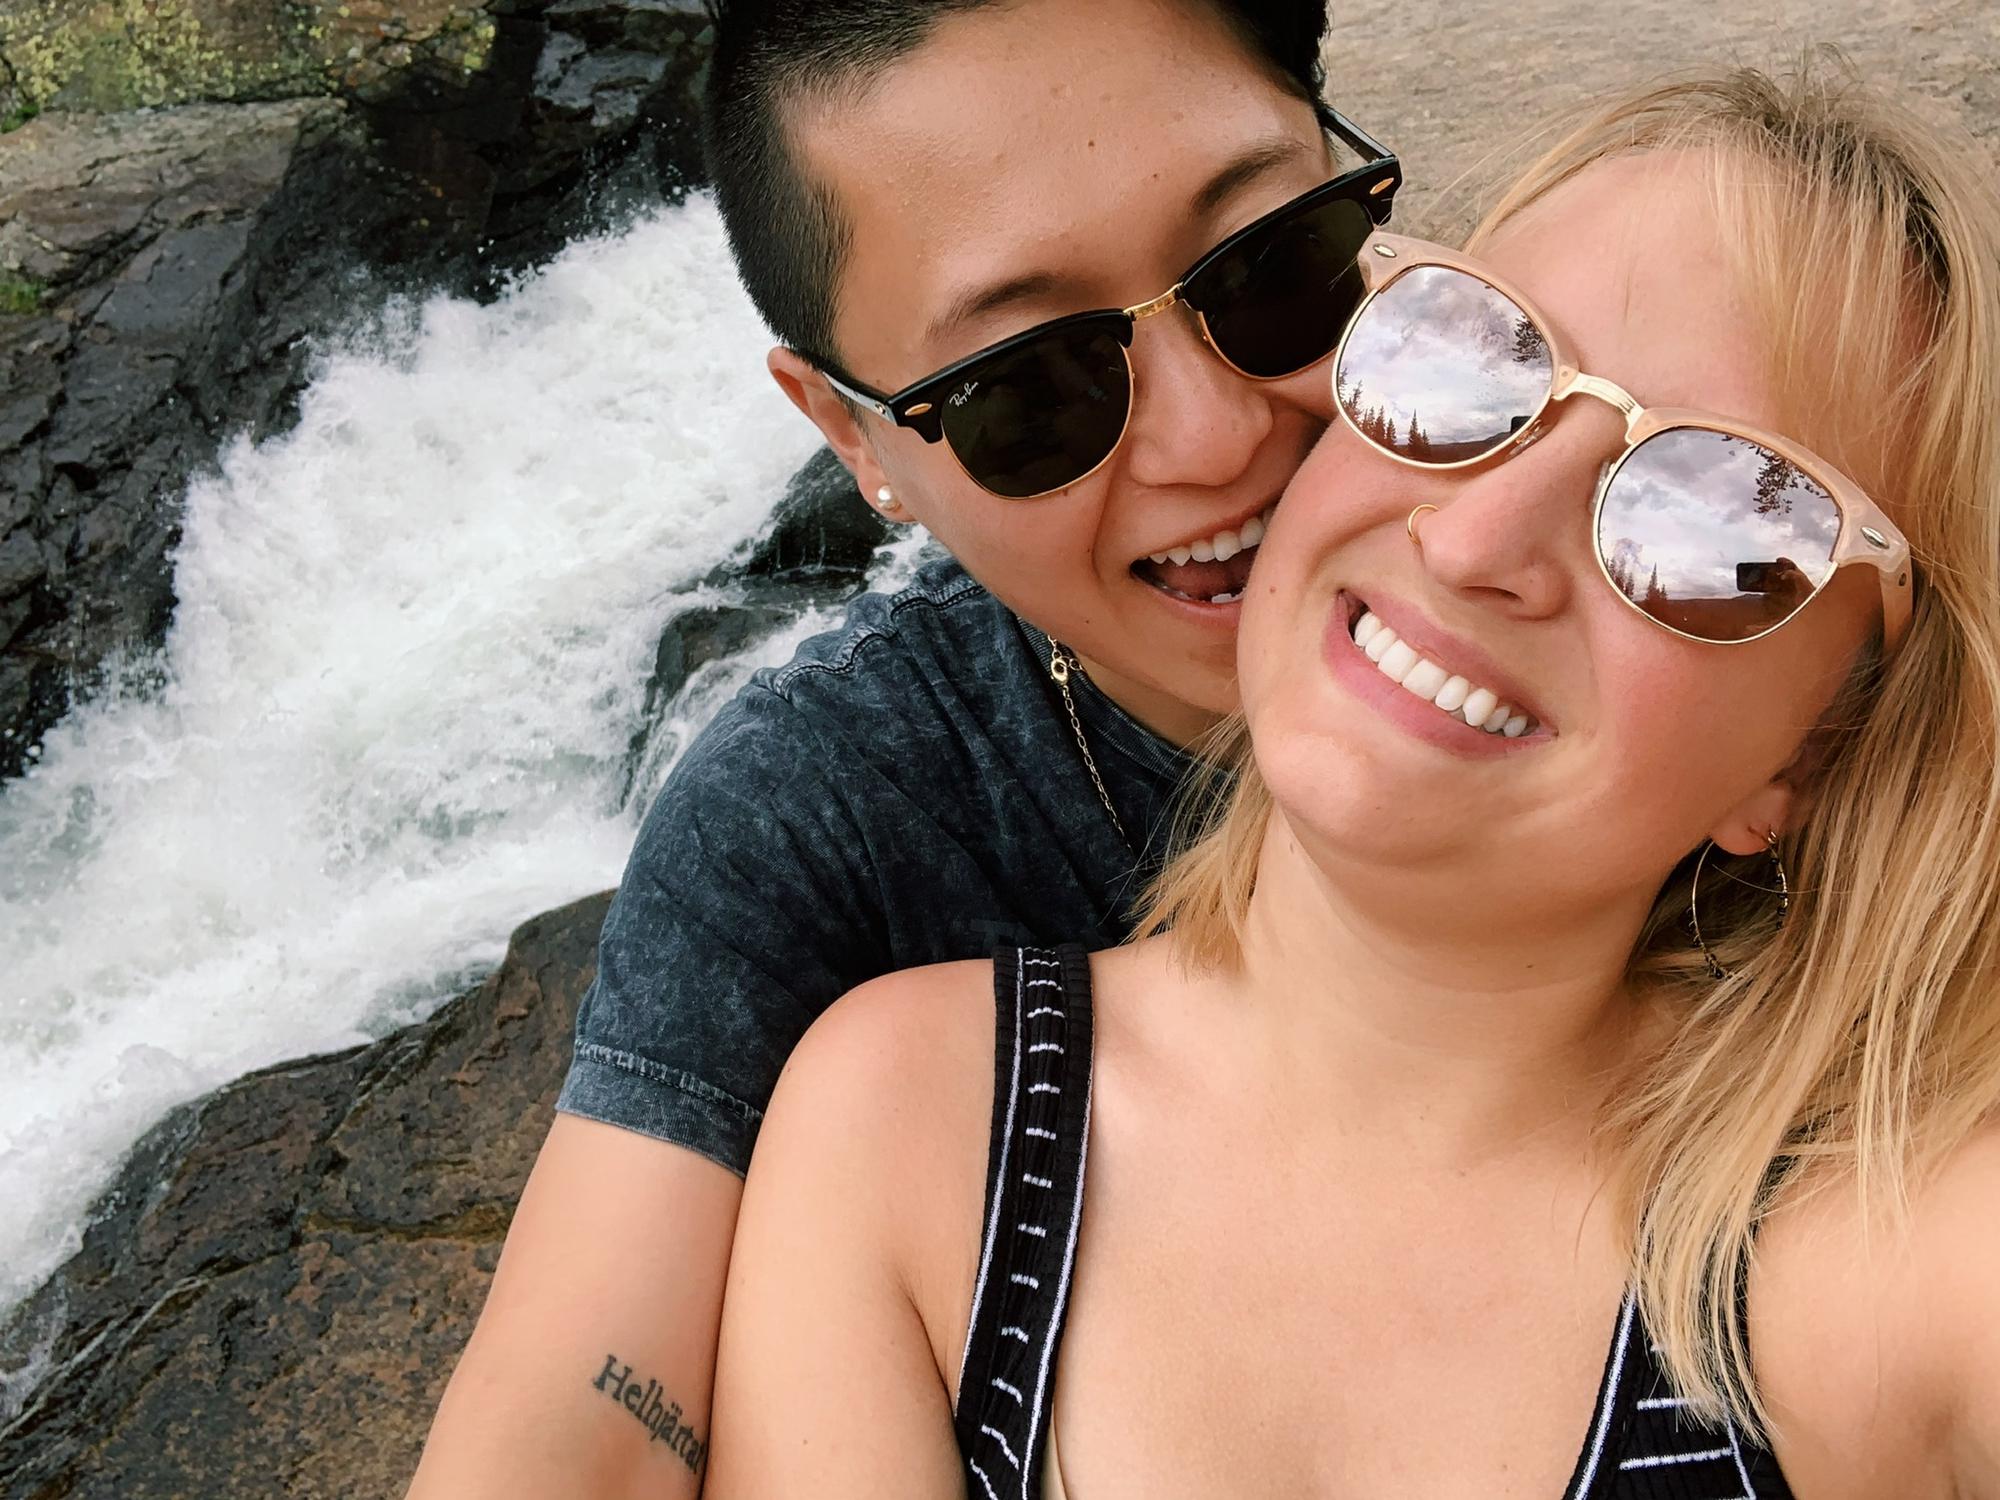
x=1353 y=136
x=1870 y=537
x=860 y=395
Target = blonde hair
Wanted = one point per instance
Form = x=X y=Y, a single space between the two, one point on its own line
x=1863 y=1033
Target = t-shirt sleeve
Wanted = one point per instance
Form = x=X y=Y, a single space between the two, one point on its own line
x=744 y=913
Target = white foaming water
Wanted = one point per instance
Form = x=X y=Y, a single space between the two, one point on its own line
x=392 y=717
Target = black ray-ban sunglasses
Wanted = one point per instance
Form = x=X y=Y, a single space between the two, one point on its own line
x=1044 y=409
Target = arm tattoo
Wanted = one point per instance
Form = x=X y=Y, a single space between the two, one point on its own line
x=648 y=1402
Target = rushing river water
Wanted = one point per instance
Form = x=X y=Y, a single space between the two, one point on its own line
x=392 y=717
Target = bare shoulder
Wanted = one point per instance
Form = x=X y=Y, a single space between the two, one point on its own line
x=1873 y=1339
x=891 y=1049
x=874 y=1150
x=881 y=1112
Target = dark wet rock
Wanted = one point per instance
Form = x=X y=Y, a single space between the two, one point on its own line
x=163 y=270
x=179 y=259
x=275 y=1290
x=710 y=631
x=813 y=555
x=823 y=531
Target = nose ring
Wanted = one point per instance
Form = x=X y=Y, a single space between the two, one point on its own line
x=1410 y=525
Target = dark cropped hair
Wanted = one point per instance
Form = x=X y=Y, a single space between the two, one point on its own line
x=788 y=235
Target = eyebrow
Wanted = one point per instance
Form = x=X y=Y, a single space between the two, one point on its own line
x=1239 y=172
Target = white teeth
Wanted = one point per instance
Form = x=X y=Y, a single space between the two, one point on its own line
x=1424 y=679
x=1399 y=662
x=1223 y=545
x=1226 y=598
x=1478 y=704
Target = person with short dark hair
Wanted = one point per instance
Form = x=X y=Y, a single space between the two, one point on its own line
x=1058 y=283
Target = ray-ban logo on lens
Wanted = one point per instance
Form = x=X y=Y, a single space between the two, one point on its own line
x=964 y=393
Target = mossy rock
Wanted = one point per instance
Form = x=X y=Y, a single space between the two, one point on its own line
x=19 y=294
x=107 y=55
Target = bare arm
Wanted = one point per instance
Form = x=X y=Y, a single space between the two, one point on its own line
x=1966 y=1291
x=588 y=1374
x=853 y=1254
x=1878 y=1346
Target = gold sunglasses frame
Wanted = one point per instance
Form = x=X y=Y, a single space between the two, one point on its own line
x=1867 y=535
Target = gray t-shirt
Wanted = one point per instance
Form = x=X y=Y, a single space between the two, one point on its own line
x=907 y=790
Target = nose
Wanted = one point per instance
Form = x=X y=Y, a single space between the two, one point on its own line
x=1514 y=533
x=1195 y=421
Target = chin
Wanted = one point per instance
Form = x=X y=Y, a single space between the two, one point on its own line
x=1206 y=681
x=1341 y=797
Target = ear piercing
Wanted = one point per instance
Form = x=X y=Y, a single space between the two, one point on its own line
x=1410 y=526
x=886 y=498
x=1783 y=891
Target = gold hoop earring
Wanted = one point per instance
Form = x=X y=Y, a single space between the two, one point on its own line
x=1410 y=526
x=1783 y=893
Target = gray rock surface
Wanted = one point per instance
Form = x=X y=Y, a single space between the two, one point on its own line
x=280 y=1281
x=172 y=299
x=1455 y=87
x=163 y=269
x=823 y=530
x=814 y=554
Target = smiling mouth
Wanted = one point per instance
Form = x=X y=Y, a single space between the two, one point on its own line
x=1456 y=696
x=1212 y=570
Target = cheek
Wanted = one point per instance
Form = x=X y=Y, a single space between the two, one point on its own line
x=998 y=539
x=1309 y=391
x=1686 y=732
x=1291 y=590
x=1661 y=723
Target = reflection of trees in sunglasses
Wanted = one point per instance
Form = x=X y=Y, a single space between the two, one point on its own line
x=1449 y=356
x=1530 y=348
x=1711 y=533
x=1714 y=535
x=1774 y=485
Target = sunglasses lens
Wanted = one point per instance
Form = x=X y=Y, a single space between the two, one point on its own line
x=1441 y=368
x=1043 y=414
x=1277 y=300
x=1714 y=535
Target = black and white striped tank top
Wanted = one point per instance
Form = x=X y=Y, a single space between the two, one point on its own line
x=1641 y=1444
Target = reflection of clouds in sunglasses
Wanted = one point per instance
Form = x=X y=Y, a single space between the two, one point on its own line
x=1711 y=533
x=1442 y=366
x=1697 y=518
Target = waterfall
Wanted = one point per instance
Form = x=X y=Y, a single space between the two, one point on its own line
x=392 y=715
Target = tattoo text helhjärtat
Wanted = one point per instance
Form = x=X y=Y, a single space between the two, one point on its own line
x=656 y=1414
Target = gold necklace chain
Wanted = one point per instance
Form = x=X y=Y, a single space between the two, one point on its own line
x=1062 y=662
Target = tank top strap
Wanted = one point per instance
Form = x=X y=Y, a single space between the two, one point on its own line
x=1034 y=1204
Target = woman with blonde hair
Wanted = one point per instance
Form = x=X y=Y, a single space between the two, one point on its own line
x=1569 y=1062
